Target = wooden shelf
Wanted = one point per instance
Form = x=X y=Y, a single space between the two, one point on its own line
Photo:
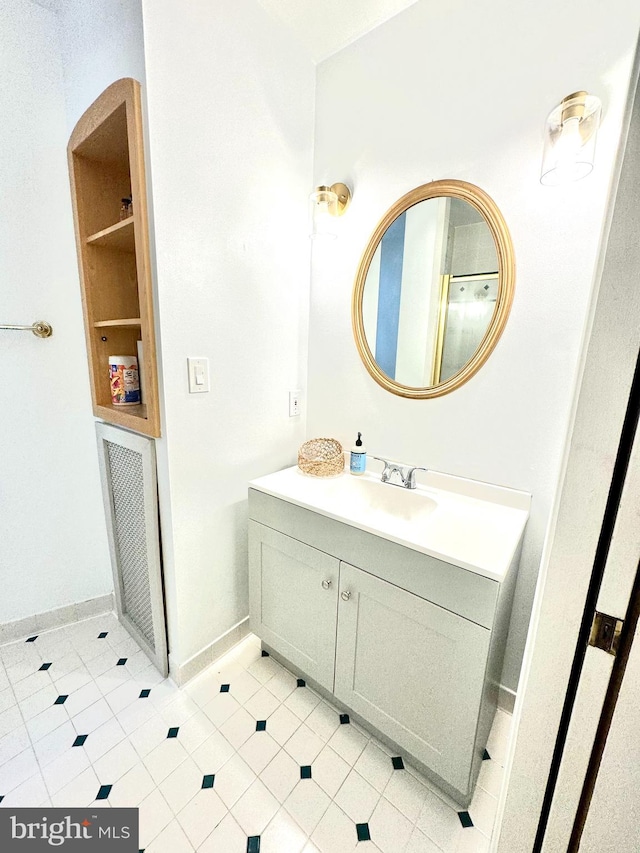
x=106 y=164
x=131 y=411
x=119 y=236
x=104 y=324
x=130 y=417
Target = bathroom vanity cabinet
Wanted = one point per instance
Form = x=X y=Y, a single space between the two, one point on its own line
x=410 y=645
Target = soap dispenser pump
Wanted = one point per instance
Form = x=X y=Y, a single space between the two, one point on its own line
x=358 y=457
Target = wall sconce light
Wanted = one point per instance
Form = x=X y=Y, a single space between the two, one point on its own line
x=325 y=204
x=570 y=139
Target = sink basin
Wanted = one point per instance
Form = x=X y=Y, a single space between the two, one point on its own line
x=376 y=502
x=477 y=526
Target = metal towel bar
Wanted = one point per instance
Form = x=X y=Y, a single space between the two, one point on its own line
x=40 y=329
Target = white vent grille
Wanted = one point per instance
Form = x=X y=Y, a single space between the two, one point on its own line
x=125 y=468
x=129 y=486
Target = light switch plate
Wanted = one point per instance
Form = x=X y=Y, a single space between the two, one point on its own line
x=294 y=403
x=198 y=375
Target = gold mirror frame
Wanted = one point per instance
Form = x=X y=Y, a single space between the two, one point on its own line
x=506 y=284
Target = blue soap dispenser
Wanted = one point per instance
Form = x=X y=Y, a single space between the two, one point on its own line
x=358 y=457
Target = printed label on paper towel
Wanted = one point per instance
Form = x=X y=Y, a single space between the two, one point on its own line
x=125 y=385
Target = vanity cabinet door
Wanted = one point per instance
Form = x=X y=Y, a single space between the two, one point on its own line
x=412 y=669
x=293 y=594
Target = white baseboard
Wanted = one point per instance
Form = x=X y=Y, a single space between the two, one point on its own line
x=190 y=668
x=11 y=631
x=506 y=698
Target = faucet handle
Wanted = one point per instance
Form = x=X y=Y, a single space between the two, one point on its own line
x=386 y=471
x=380 y=459
x=411 y=475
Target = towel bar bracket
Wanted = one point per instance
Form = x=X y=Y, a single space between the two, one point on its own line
x=40 y=329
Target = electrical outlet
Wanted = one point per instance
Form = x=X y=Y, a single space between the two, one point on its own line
x=294 y=404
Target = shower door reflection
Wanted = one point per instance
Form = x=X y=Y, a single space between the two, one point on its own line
x=467 y=303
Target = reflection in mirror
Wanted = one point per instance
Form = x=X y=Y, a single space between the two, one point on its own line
x=430 y=291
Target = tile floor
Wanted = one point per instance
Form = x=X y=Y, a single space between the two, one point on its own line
x=243 y=759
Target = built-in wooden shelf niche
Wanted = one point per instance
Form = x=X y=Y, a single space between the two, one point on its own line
x=106 y=164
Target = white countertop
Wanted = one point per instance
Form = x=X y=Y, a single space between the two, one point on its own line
x=474 y=525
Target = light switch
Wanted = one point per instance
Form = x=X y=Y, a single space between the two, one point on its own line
x=198 y=375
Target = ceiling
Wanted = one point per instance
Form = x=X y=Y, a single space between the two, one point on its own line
x=321 y=27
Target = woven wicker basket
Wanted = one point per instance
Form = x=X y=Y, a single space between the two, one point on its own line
x=321 y=457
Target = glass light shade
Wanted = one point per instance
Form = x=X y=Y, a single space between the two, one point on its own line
x=570 y=139
x=323 y=210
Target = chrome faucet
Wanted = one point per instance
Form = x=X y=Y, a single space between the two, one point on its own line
x=406 y=473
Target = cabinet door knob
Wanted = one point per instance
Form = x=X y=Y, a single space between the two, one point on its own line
x=346 y=595
x=326 y=584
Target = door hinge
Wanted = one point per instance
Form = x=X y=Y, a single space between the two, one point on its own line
x=605 y=633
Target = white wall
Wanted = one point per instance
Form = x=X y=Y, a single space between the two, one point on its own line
x=462 y=91
x=53 y=546
x=101 y=41
x=230 y=112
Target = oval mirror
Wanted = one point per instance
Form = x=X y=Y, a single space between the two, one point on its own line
x=433 y=289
